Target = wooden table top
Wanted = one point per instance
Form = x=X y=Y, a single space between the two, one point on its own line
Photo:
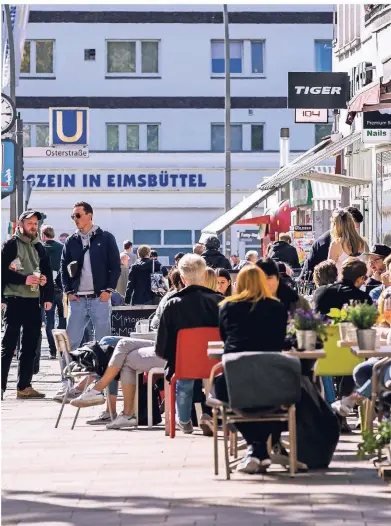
x=383 y=352
x=216 y=350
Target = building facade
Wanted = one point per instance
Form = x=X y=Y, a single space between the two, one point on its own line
x=152 y=77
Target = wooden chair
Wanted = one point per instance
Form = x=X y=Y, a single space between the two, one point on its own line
x=192 y=362
x=63 y=348
x=229 y=415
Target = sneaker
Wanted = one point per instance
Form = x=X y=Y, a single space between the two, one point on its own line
x=73 y=393
x=252 y=465
x=206 y=424
x=29 y=392
x=52 y=356
x=187 y=428
x=123 y=421
x=342 y=407
x=102 y=418
x=89 y=398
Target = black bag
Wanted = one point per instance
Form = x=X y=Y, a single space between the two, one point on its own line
x=92 y=358
x=74 y=267
x=317 y=426
x=143 y=403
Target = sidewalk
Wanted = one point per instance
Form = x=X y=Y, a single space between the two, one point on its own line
x=91 y=476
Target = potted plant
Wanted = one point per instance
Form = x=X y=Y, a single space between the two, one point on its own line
x=347 y=331
x=363 y=317
x=308 y=326
x=376 y=442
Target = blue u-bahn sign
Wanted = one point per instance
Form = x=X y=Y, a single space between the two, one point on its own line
x=8 y=164
x=68 y=126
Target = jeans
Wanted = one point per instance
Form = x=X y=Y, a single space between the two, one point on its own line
x=50 y=320
x=184 y=399
x=20 y=313
x=328 y=385
x=362 y=375
x=84 y=310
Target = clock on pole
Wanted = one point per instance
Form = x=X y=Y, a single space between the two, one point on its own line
x=8 y=113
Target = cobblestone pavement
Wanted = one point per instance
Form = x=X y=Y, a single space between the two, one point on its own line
x=91 y=476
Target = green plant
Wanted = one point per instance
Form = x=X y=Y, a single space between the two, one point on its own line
x=307 y=320
x=374 y=442
x=338 y=315
x=363 y=316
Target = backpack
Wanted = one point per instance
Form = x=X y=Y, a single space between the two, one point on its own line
x=158 y=285
x=317 y=428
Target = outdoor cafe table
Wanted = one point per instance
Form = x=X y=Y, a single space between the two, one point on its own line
x=216 y=350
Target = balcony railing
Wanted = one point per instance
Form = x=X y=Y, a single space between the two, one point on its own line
x=377 y=14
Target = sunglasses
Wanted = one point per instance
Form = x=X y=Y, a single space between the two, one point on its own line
x=77 y=216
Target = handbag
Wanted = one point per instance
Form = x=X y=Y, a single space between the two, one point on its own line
x=158 y=285
x=74 y=267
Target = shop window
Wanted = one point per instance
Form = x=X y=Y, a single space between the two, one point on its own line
x=147 y=237
x=177 y=237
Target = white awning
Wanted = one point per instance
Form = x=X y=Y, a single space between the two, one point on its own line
x=233 y=215
x=304 y=164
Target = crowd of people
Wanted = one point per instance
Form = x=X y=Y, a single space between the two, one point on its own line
x=77 y=282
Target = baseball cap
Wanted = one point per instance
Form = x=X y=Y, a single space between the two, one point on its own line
x=30 y=213
x=382 y=251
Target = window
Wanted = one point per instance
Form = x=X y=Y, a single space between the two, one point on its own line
x=177 y=237
x=323 y=55
x=322 y=130
x=244 y=137
x=133 y=57
x=147 y=237
x=89 y=54
x=246 y=57
x=35 y=135
x=132 y=137
x=38 y=58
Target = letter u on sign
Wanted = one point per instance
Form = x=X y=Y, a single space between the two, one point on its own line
x=68 y=126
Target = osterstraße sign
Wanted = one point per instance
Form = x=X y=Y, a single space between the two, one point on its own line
x=318 y=90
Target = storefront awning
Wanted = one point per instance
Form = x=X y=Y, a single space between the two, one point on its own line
x=387 y=70
x=334 y=179
x=306 y=163
x=233 y=215
x=258 y=220
x=368 y=95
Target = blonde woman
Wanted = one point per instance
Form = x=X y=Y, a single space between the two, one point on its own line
x=210 y=279
x=345 y=240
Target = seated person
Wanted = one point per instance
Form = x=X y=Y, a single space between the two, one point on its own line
x=194 y=306
x=385 y=278
x=354 y=275
x=362 y=375
x=279 y=289
x=376 y=266
x=252 y=320
x=224 y=282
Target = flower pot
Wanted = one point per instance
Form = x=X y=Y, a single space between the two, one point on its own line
x=306 y=340
x=366 y=339
x=347 y=332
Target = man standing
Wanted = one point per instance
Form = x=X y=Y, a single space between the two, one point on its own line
x=282 y=250
x=26 y=284
x=54 y=249
x=90 y=268
x=198 y=249
x=235 y=261
x=63 y=237
x=138 y=290
x=128 y=251
x=213 y=257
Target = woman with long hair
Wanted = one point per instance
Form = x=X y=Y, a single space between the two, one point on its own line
x=252 y=320
x=224 y=282
x=345 y=240
x=210 y=279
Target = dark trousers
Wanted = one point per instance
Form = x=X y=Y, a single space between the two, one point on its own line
x=20 y=313
x=254 y=433
x=50 y=320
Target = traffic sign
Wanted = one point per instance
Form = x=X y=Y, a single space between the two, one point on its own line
x=8 y=165
x=58 y=151
x=68 y=126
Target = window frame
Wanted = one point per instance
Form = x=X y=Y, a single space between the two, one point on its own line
x=246 y=136
x=142 y=135
x=33 y=59
x=246 y=58
x=138 y=72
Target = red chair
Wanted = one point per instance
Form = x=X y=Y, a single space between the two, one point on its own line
x=192 y=362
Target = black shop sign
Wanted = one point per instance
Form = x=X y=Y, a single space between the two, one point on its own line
x=302 y=228
x=318 y=90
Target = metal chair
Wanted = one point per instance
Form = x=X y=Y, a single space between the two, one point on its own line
x=63 y=348
x=229 y=415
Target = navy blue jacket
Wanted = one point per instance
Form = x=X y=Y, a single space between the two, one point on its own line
x=105 y=261
x=138 y=290
x=319 y=253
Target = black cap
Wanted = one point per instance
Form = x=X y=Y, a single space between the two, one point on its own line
x=382 y=251
x=30 y=213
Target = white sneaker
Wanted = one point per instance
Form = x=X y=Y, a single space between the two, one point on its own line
x=342 y=407
x=123 y=421
x=89 y=398
x=73 y=393
x=102 y=418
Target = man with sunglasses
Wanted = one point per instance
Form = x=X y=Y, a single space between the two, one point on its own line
x=376 y=266
x=90 y=268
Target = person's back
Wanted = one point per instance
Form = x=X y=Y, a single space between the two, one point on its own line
x=212 y=255
x=248 y=327
x=283 y=251
x=139 y=290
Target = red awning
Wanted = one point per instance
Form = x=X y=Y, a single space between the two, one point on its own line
x=369 y=95
x=259 y=220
